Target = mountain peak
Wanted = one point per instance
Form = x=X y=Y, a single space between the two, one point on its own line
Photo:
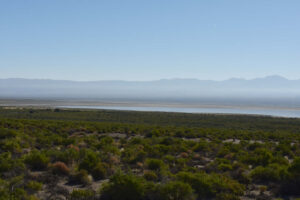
x=272 y=78
x=276 y=77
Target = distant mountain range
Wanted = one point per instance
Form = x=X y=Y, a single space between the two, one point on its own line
x=271 y=87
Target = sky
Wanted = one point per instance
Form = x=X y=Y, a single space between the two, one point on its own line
x=149 y=39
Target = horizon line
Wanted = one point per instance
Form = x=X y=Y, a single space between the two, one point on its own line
x=154 y=80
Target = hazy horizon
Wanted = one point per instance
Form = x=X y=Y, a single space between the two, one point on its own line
x=174 y=78
x=273 y=90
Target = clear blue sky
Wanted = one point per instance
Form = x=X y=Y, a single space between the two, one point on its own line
x=149 y=39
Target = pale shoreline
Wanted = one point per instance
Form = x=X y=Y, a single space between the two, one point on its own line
x=194 y=108
x=61 y=103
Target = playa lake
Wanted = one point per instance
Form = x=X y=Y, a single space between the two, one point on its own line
x=268 y=111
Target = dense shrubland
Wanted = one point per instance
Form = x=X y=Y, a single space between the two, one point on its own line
x=69 y=154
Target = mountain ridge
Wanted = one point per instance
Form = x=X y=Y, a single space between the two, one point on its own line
x=260 y=88
x=270 y=77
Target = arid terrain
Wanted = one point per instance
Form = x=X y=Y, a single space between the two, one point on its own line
x=101 y=154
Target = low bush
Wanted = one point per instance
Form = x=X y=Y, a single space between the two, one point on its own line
x=80 y=177
x=5 y=162
x=99 y=172
x=89 y=161
x=291 y=185
x=60 y=168
x=271 y=173
x=224 y=167
x=82 y=195
x=125 y=187
x=150 y=176
x=177 y=190
x=37 y=160
x=33 y=186
x=209 y=185
x=154 y=164
x=7 y=133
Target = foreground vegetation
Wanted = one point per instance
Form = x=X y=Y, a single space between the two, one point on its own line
x=113 y=155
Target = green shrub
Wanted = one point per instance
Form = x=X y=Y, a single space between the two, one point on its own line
x=209 y=185
x=67 y=156
x=106 y=140
x=154 y=164
x=150 y=176
x=82 y=194
x=223 y=151
x=18 y=193
x=89 y=161
x=7 y=133
x=295 y=167
x=224 y=167
x=11 y=145
x=80 y=177
x=34 y=186
x=273 y=172
x=291 y=185
x=125 y=187
x=201 y=146
x=134 y=154
x=283 y=149
x=260 y=156
x=37 y=160
x=99 y=171
x=177 y=190
x=4 y=192
x=5 y=162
